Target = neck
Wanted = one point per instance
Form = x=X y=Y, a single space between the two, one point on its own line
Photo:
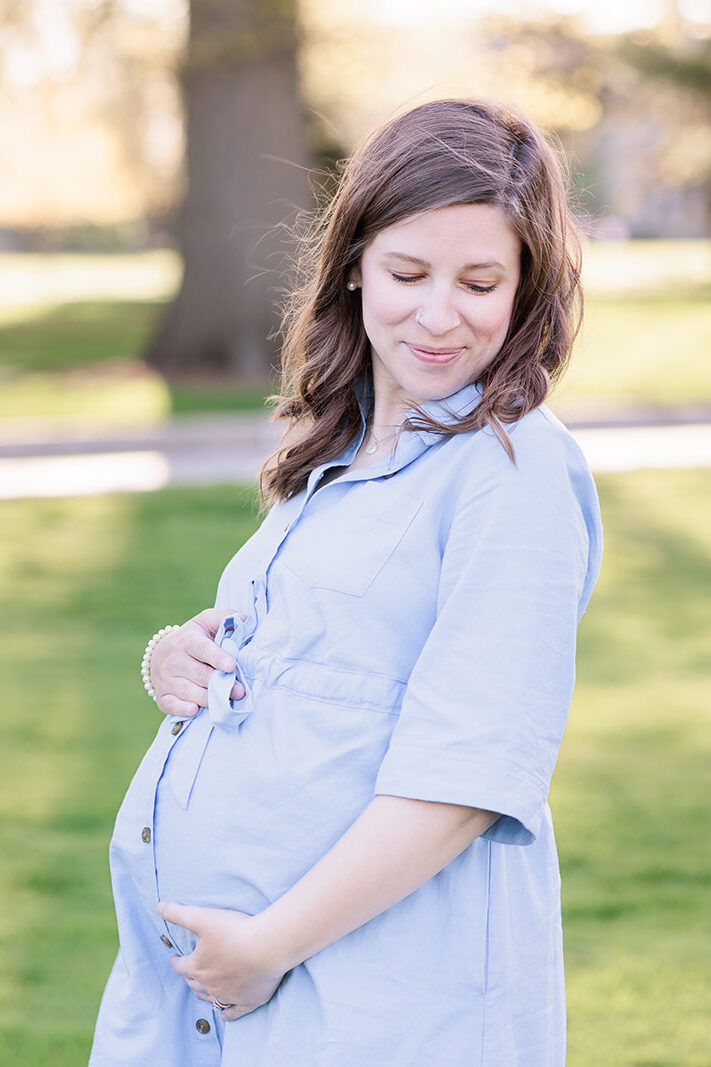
x=388 y=413
x=391 y=402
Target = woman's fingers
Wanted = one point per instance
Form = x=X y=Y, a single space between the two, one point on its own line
x=187 y=696
x=187 y=691
x=228 y=1014
x=236 y=1012
x=191 y=917
x=198 y=988
x=233 y=1011
x=185 y=658
x=210 y=619
x=171 y=705
x=211 y=654
x=187 y=653
x=205 y=651
x=190 y=698
x=194 y=686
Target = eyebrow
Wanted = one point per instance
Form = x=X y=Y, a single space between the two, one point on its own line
x=467 y=266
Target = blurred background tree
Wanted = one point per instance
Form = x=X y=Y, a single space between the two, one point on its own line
x=246 y=171
x=89 y=104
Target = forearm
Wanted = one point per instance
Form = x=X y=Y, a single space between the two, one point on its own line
x=393 y=847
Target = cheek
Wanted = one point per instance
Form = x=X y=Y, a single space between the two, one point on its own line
x=385 y=305
x=494 y=319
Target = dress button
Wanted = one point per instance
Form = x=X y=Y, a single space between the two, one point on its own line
x=176 y=727
x=166 y=941
x=146 y=834
x=202 y=1026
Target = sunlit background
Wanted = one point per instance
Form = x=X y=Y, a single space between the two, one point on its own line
x=91 y=104
x=93 y=121
x=137 y=289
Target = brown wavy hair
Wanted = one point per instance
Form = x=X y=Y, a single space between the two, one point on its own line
x=438 y=154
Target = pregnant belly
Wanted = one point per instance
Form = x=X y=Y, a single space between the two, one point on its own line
x=269 y=799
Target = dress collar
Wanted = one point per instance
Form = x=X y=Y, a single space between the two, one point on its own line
x=447 y=411
x=409 y=445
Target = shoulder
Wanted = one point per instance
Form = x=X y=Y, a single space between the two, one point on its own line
x=548 y=482
x=547 y=495
x=545 y=455
x=540 y=436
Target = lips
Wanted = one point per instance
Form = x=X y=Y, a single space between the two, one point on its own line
x=434 y=355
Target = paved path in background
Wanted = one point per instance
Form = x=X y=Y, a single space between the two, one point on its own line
x=38 y=460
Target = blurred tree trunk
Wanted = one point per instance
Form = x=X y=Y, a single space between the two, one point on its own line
x=242 y=109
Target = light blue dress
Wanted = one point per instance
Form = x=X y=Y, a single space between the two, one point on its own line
x=411 y=631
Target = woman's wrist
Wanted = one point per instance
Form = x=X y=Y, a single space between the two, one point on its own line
x=148 y=656
x=277 y=954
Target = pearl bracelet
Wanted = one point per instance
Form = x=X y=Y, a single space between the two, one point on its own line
x=148 y=656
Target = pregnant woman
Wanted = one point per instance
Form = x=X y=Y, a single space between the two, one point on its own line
x=338 y=850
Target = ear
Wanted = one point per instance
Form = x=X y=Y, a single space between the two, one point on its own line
x=354 y=275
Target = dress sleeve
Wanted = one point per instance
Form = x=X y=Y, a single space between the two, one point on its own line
x=487 y=701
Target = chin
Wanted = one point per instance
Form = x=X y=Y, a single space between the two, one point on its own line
x=434 y=386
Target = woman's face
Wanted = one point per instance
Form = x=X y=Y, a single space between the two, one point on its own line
x=437 y=291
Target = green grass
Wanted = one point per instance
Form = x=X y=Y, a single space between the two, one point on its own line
x=85 y=581
x=630 y=798
x=79 y=361
x=641 y=348
x=72 y=330
x=72 y=336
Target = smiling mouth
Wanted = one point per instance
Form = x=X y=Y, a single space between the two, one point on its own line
x=433 y=355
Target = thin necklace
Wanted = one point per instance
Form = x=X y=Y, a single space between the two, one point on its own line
x=375 y=444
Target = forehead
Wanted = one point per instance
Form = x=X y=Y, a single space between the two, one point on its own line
x=469 y=232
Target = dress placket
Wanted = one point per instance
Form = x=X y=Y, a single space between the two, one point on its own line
x=173 y=729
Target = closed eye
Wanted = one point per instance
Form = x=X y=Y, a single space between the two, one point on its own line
x=408 y=279
x=480 y=288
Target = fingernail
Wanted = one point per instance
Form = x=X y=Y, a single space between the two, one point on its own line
x=228 y=665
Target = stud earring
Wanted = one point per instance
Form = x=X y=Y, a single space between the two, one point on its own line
x=351 y=286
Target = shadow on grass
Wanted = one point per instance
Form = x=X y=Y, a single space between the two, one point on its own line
x=95 y=342
x=68 y=336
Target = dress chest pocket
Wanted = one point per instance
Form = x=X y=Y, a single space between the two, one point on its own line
x=344 y=546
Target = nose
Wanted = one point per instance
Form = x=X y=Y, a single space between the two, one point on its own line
x=438 y=315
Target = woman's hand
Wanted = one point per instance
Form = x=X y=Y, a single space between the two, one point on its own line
x=183 y=661
x=229 y=962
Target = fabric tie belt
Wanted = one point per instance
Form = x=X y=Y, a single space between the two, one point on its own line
x=221 y=712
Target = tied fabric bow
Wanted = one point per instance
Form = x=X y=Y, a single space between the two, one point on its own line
x=232 y=636
x=221 y=712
